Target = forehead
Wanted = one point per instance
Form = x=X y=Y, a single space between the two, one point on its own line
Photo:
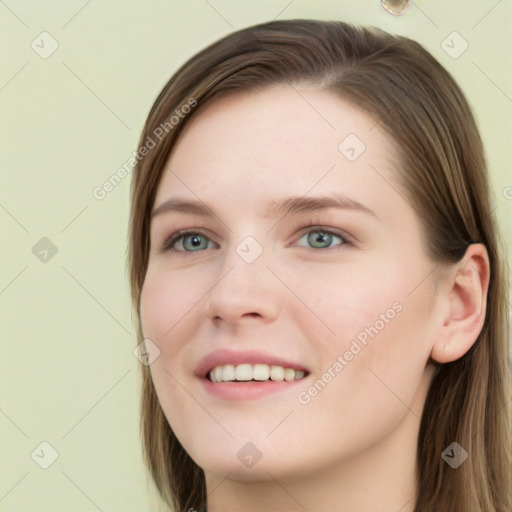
x=274 y=143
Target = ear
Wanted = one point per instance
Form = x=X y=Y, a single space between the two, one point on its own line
x=464 y=302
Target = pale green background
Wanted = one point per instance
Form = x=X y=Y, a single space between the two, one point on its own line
x=68 y=375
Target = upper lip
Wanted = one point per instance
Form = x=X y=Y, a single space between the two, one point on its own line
x=226 y=356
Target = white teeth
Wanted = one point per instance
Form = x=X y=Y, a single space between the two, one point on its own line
x=228 y=373
x=258 y=372
x=289 y=374
x=218 y=374
x=277 y=373
x=243 y=372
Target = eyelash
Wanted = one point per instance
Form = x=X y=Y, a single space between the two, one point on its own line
x=176 y=236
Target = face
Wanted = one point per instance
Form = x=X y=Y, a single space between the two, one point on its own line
x=338 y=288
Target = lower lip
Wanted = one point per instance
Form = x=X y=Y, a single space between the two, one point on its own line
x=248 y=390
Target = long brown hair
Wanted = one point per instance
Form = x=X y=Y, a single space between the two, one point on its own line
x=443 y=171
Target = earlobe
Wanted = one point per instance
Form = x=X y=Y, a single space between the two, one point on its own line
x=465 y=290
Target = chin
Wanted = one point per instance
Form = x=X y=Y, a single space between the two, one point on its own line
x=240 y=468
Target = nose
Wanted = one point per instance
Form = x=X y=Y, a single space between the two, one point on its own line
x=244 y=291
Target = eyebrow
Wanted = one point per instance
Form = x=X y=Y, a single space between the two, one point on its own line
x=290 y=205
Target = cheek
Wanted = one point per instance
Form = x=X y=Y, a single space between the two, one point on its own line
x=376 y=324
x=166 y=300
x=347 y=300
x=394 y=345
x=374 y=386
x=166 y=305
x=155 y=318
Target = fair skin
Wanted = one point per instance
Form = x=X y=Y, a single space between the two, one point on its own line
x=352 y=446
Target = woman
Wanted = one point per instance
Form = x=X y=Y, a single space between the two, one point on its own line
x=314 y=259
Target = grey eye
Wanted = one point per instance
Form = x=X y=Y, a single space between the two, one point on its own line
x=320 y=238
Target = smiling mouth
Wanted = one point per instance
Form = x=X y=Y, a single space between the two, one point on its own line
x=254 y=373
